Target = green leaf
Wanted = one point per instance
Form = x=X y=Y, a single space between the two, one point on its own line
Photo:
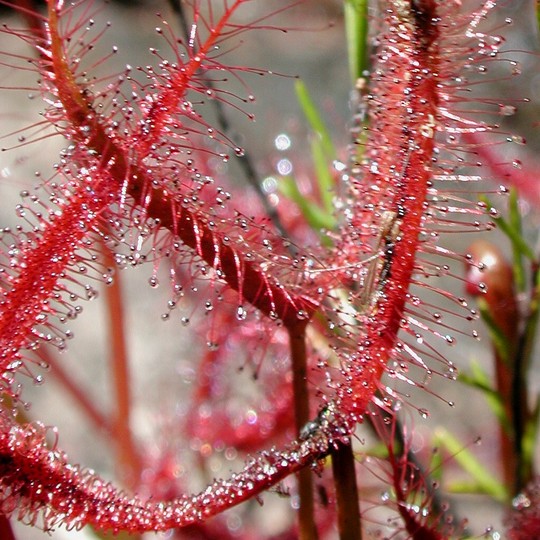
x=314 y=119
x=531 y=324
x=436 y=466
x=518 y=243
x=479 y=379
x=530 y=437
x=499 y=340
x=324 y=175
x=465 y=488
x=356 y=28
x=316 y=217
x=514 y=220
x=482 y=477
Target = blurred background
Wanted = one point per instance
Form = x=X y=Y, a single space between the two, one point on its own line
x=161 y=357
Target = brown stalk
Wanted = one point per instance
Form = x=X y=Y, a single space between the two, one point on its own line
x=306 y=512
x=348 y=506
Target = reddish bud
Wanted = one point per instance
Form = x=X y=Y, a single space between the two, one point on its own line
x=491 y=276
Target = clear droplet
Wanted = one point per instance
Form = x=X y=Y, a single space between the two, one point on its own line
x=507 y=110
x=241 y=313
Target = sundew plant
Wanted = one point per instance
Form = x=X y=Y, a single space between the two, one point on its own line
x=309 y=365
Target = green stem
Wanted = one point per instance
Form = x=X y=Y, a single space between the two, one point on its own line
x=520 y=410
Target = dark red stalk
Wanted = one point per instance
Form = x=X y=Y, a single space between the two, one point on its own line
x=6 y=532
x=306 y=512
x=347 y=503
x=62 y=236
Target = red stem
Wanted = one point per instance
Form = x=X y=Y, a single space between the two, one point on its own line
x=391 y=194
x=6 y=532
x=128 y=459
x=38 y=478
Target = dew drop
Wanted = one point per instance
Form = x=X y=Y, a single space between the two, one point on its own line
x=424 y=413
x=241 y=313
x=516 y=164
x=154 y=282
x=91 y=293
x=517 y=139
x=507 y=110
x=184 y=321
x=239 y=151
